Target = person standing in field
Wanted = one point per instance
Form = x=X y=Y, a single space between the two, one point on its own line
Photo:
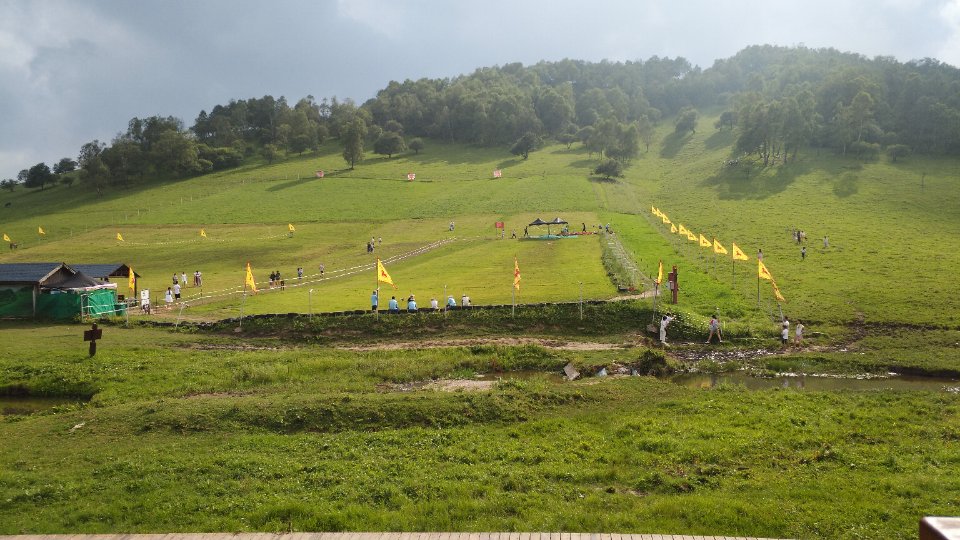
x=434 y=305
x=374 y=299
x=826 y=242
x=664 y=323
x=759 y=254
x=168 y=296
x=176 y=291
x=803 y=253
x=798 y=333
x=785 y=332
x=714 y=329
x=183 y=278
x=322 y=269
x=175 y=278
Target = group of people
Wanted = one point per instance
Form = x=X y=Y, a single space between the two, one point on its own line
x=800 y=237
x=393 y=305
x=277 y=281
x=174 y=291
x=715 y=330
x=181 y=279
x=373 y=243
x=797 y=334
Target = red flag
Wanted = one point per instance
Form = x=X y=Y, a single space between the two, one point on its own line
x=499 y=224
x=411 y=176
x=319 y=174
x=497 y=173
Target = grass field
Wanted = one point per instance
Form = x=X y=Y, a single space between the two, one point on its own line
x=282 y=427
x=262 y=435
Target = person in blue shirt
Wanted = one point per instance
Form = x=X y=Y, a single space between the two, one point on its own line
x=374 y=300
x=411 y=304
x=451 y=303
x=393 y=306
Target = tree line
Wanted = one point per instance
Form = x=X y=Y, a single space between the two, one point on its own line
x=779 y=100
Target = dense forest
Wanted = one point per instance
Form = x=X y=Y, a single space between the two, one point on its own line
x=778 y=100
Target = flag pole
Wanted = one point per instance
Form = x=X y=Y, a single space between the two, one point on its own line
x=758 y=289
x=656 y=294
x=376 y=285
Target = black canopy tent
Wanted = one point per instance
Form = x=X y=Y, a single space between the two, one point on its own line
x=556 y=221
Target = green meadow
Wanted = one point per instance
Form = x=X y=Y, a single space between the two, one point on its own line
x=343 y=423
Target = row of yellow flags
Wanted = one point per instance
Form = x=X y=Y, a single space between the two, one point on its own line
x=718 y=248
x=203 y=233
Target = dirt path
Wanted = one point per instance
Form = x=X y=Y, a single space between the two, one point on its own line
x=505 y=342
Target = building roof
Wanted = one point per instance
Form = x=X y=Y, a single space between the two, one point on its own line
x=104 y=270
x=31 y=273
x=46 y=275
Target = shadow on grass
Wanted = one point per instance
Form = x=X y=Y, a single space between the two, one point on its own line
x=720 y=139
x=603 y=180
x=749 y=180
x=673 y=143
x=584 y=163
x=846 y=185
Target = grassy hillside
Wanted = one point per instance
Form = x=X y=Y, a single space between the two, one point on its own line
x=275 y=428
x=888 y=258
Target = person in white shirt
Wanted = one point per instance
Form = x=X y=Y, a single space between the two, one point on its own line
x=664 y=322
x=798 y=333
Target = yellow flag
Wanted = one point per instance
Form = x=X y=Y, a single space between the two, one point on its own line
x=660 y=272
x=40 y=230
x=762 y=271
x=6 y=238
x=383 y=276
x=673 y=228
x=776 y=292
x=119 y=237
x=516 y=274
x=691 y=237
x=718 y=248
x=291 y=227
x=203 y=233
x=249 y=281
x=665 y=218
x=653 y=210
x=738 y=254
x=683 y=230
x=704 y=242
x=131 y=279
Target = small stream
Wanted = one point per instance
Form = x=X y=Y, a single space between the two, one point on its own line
x=817 y=382
x=21 y=406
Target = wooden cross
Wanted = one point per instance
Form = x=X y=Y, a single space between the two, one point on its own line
x=92 y=336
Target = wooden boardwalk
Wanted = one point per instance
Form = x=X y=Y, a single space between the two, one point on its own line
x=375 y=536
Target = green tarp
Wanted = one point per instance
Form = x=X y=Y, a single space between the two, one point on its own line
x=18 y=302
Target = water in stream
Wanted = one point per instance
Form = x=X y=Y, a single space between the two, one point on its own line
x=13 y=406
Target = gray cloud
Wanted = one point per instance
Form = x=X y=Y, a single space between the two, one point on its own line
x=71 y=72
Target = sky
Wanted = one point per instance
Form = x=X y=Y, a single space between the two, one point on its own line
x=73 y=71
